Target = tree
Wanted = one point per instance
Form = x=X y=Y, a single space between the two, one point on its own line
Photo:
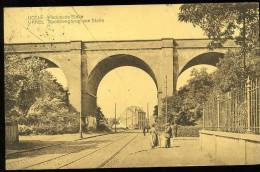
x=220 y=21
x=49 y=87
x=174 y=104
x=51 y=116
x=114 y=121
x=185 y=118
x=230 y=73
x=22 y=83
x=185 y=106
x=155 y=113
x=198 y=88
x=99 y=116
x=34 y=98
x=102 y=124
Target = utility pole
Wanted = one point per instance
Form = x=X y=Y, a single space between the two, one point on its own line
x=115 y=118
x=244 y=40
x=80 y=126
x=166 y=103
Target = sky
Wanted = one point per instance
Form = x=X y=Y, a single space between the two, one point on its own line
x=27 y=25
x=115 y=23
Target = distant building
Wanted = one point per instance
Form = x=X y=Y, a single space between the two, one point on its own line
x=141 y=119
x=135 y=118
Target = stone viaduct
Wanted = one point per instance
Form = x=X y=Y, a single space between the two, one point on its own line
x=86 y=63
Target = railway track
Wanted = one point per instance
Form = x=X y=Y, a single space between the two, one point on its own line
x=116 y=153
x=68 y=154
x=32 y=166
x=52 y=145
x=21 y=161
x=107 y=160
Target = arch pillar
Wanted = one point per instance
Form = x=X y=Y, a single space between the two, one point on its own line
x=168 y=66
x=72 y=70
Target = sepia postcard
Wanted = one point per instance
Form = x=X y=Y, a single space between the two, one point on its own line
x=124 y=86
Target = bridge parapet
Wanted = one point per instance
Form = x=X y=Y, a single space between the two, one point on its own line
x=113 y=45
x=202 y=43
x=42 y=47
x=129 y=44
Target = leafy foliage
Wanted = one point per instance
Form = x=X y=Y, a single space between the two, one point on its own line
x=155 y=112
x=185 y=108
x=199 y=86
x=21 y=82
x=51 y=88
x=114 y=121
x=221 y=21
x=101 y=120
x=34 y=99
x=230 y=73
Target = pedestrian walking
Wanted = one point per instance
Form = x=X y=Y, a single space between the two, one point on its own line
x=167 y=135
x=144 y=130
x=154 y=136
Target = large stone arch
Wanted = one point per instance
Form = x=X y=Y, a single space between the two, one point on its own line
x=166 y=57
x=209 y=58
x=50 y=63
x=89 y=101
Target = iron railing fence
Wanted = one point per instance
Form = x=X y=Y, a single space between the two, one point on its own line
x=235 y=111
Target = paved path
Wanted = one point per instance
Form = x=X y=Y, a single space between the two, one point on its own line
x=115 y=150
x=183 y=152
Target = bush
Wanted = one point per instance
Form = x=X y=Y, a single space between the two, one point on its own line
x=71 y=129
x=187 y=131
x=103 y=127
x=25 y=130
x=50 y=128
x=56 y=128
x=52 y=117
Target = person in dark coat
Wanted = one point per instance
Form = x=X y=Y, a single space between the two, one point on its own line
x=144 y=130
x=168 y=135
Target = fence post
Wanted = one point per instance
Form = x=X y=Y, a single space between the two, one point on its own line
x=248 y=87
x=218 y=110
